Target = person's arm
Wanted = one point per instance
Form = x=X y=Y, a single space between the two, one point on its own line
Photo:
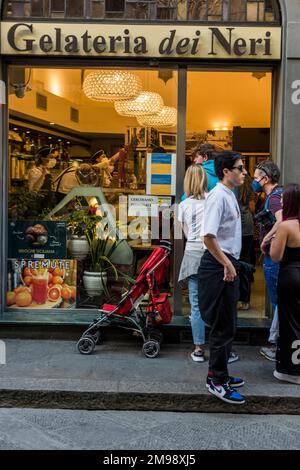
x=279 y=243
x=180 y=218
x=184 y=229
x=36 y=178
x=100 y=166
x=213 y=247
x=272 y=232
x=115 y=157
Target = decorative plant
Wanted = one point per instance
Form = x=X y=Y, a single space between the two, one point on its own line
x=99 y=258
x=83 y=221
x=100 y=253
x=25 y=204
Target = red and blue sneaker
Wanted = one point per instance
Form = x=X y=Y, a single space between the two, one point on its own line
x=226 y=393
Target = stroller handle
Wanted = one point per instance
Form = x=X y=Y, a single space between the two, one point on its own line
x=166 y=244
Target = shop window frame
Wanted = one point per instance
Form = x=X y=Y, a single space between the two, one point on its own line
x=182 y=68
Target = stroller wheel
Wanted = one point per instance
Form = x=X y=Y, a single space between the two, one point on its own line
x=96 y=337
x=156 y=336
x=151 y=349
x=86 y=345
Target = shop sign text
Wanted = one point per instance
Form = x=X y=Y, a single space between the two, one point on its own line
x=154 y=41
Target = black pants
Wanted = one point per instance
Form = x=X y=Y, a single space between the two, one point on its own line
x=217 y=303
x=289 y=318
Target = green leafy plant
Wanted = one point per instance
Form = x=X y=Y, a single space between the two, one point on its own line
x=83 y=221
x=99 y=258
x=100 y=253
x=24 y=204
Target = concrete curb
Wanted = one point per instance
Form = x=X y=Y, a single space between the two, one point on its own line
x=200 y=403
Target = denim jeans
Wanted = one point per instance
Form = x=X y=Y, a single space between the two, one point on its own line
x=271 y=272
x=198 y=325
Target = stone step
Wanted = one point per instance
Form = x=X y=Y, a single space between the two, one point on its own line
x=117 y=376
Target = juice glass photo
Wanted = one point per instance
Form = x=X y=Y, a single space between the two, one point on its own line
x=40 y=287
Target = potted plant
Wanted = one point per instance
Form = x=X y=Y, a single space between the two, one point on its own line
x=81 y=223
x=99 y=263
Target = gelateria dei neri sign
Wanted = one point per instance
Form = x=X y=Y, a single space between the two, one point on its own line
x=157 y=41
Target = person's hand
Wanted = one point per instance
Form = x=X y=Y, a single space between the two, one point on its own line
x=229 y=272
x=264 y=244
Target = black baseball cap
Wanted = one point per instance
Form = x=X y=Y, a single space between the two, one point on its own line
x=44 y=151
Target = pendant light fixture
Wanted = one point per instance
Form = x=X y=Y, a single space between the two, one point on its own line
x=167 y=117
x=111 y=85
x=144 y=104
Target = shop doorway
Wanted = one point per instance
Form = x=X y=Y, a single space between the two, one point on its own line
x=232 y=111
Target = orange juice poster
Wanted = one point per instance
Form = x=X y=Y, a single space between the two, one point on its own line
x=41 y=284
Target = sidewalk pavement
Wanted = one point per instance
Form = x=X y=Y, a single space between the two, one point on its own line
x=117 y=376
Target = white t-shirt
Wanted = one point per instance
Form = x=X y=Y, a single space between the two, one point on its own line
x=222 y=219
x=190 y=213
x=36 y=178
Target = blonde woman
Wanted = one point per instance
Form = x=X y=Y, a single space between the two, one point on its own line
x=190 y=215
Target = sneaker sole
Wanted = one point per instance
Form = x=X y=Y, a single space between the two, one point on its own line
x=267 y=357
x=233 y=386
x=226 y=400
x=286 y=378
x=198 y=359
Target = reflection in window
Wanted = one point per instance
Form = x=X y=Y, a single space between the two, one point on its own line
x=74 y=9
x=163 y=10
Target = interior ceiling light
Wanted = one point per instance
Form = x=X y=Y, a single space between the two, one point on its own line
x=111 y=85
x=144 y=104
x=167 y=117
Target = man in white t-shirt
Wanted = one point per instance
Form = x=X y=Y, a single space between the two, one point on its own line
x=217 y=275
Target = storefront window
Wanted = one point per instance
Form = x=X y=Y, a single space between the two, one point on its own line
x=175 y=10
x=84 y=169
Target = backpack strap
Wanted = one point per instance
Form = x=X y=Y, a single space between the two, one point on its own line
x=277 y=190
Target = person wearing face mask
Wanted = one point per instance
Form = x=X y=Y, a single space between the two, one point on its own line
x=218 y=274
x=39 y=177
x=266 y=179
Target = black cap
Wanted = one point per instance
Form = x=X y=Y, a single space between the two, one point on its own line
x=44 y=151
x=96 y=155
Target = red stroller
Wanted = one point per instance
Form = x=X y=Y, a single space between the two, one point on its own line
x=129 y=314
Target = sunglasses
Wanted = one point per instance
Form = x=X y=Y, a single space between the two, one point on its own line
x=241 y=168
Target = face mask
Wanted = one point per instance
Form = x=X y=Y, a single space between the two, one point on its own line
x=51 y=163
x=257 y=187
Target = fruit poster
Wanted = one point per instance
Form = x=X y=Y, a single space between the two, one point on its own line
x=37 y=239
x=41 y=284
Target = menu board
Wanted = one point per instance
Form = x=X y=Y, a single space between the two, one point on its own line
x=41 y=284
x=37 y=239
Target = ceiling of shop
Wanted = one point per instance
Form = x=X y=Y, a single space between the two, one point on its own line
x=215 y=99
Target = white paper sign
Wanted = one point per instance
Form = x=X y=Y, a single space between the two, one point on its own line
x=142 y=206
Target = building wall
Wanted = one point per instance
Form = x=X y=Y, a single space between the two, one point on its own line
x=290 y=106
